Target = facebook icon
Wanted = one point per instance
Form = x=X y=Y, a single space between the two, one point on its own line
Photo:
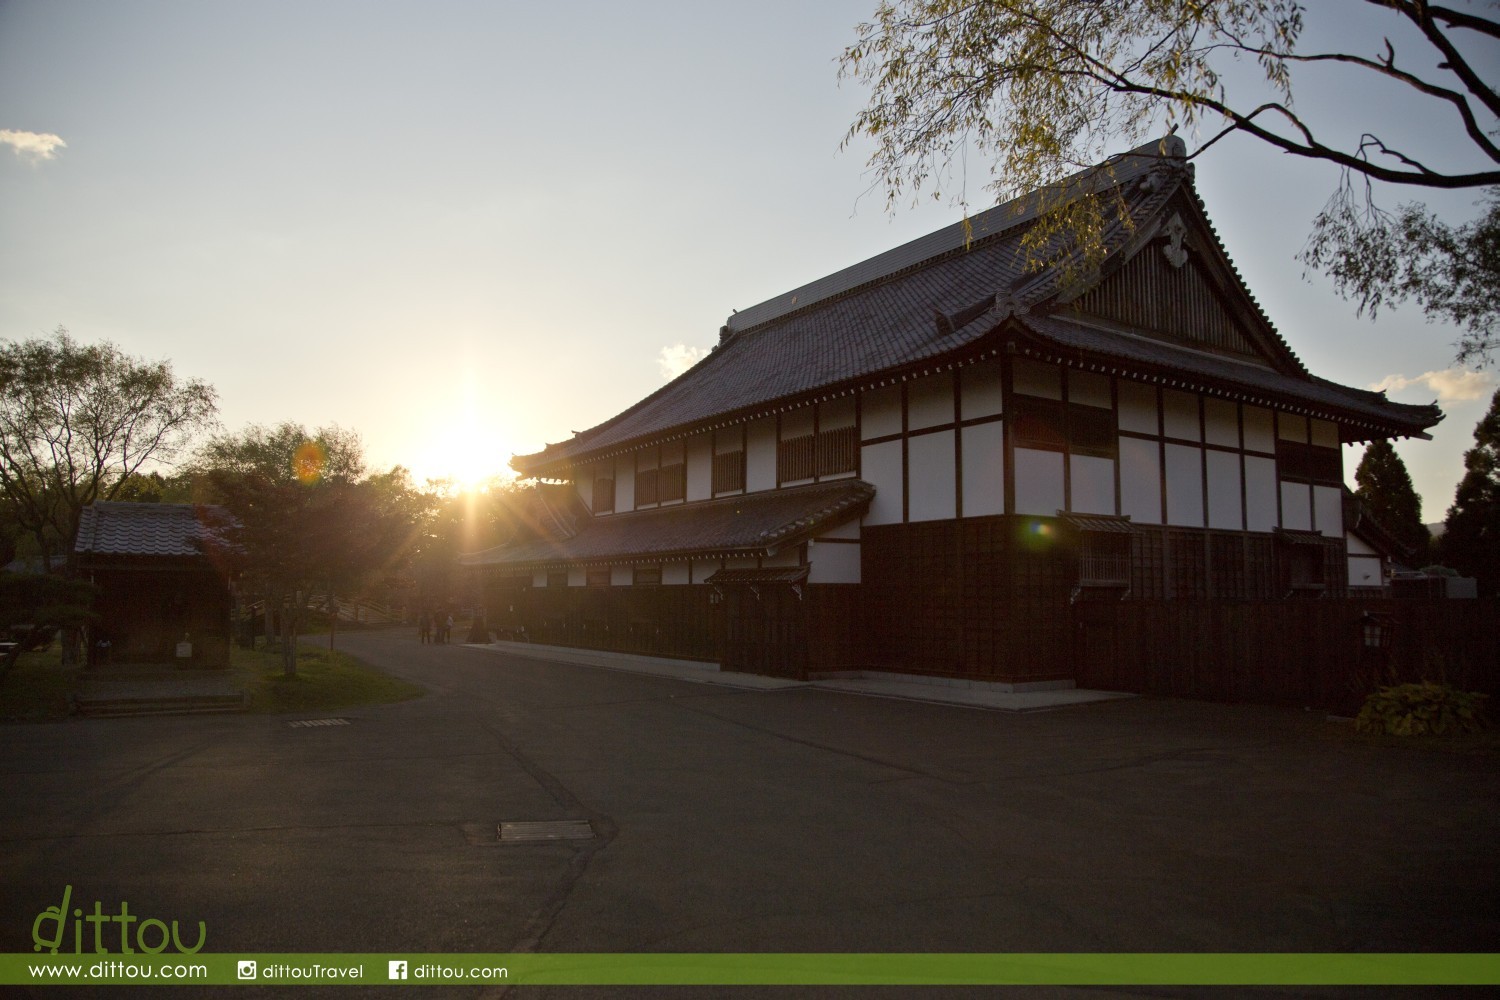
x=396 y=970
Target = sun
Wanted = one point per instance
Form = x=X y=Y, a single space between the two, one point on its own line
x=466 y=457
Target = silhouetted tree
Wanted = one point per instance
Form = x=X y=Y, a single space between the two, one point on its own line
x=1471 y=536
x=1384 y=485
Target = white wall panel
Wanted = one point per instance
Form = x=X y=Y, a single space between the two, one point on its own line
x=760 y=455
x=621 y=576
x=1140 y=480
x=984 y=468
x=539 y=578
x=1291 y=427
x=929 y=401
x=1364 y=571
x=981 y=395
x=676 y=574
x=1260 y=493
x=1328 y=510
x=1093 y=485
x=849 y=529
x=797 y=423
x=1179 y=412
x=933 y=482
x=1138 y=410
x=836 y=413
x=1225 y=509
x=1324 y=433
x=1184 y=485
x=881 y=465
x=1033 y=378
x=833 y=563
x=880 y=412
x=1296 y=506
x=1221 y=422
x=704 y=568
x=1260 y=429
x=625 y=482
x=1089 y=389
x=1039 y=482
x=577 y=576
x=700 y=467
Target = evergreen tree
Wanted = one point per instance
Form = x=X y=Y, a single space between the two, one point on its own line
x=1471 y=541
x=1385 y=488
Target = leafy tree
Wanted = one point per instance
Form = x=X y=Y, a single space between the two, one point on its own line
x=78 y=422
x=1471 y=536
x=43 y=602
x=1041 y=88
x=309 y=521
x=1384 y=485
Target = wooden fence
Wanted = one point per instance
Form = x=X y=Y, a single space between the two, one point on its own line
x=1325 y=654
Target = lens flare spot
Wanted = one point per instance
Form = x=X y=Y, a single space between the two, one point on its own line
x=309 y=461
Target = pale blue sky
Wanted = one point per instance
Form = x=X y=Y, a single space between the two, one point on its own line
x=466 y=229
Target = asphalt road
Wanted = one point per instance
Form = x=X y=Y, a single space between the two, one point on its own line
x=731 y=820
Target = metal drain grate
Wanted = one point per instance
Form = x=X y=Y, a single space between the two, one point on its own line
x=306 y=723
x=561 y=829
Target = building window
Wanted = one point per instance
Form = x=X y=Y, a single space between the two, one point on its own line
x=672 y=483
x=599 y=577
x=795 y=459
x=647 y=576
x=1104 y=553
x=604 y=495
x=1038 y=423
x=647 y=485
x=1303 y=567
x=1309 y=463
x=729 y=471
x=837 y=451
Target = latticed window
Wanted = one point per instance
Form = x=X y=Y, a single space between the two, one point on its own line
x=599 y=577
x=604 y=495
x=836 y=451
x=795 y=459
x=672 y=482
x=729 y=471
x=647 y=576
x=647 y=483
x=1104 y=559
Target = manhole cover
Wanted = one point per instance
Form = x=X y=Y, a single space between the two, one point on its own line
x=561 y=829
x=306 y=723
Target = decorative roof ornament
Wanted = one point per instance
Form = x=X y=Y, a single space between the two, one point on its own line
x=1174 y=251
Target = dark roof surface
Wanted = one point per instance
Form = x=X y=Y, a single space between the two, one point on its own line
x=150 y=529
x=752 y=524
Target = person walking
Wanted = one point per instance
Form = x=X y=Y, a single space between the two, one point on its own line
x=424 y=626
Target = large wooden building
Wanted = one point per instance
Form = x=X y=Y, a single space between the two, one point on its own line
x=921 y=463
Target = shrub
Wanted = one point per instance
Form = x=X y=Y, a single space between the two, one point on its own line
x=1419 y=709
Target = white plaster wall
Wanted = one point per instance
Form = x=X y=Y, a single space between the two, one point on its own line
x=1364 y=571
x=584 y=486
x=786 y=557
x=929 y=401
x=1291 y=427
x=836 y=413
x=933 y=483
x=796 y=423
x=740 y=562
x=1036 y=379
x=1260 y=429
x=1358 y=546
x=849 y=529
x=704 y=568
x=1324 y=433
x=1138 y=408
x=1260 y=493
x=880 y=412
x=1328 y=510
x=760 y=455
x=728 y=440
x=1093 y=485
x=1039 y=482
x=700 y=467
x=624 y=483
x=1184 y=485
x=1089 y=389
x=1179 y=411
x=577 y=576
x=1225 y=509
x=621 y=576
x=984 y=467
x=676 y=574
x=981 y=396
x=1221 y=423
x=1296 y=506
x=1140 y=480
x=833 y=563
x=539 y=578
x=881 y=465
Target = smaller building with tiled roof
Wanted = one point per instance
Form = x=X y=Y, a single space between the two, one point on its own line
x=921 y=462
x=162 y=573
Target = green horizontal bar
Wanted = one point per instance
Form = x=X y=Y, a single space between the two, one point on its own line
x=783 y=969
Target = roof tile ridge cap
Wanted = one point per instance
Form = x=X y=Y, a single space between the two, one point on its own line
x=1239 y=279
x=982 y=243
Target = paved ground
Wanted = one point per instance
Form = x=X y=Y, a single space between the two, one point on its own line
x=791 y=819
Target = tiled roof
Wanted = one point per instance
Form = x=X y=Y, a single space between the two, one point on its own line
x=751 y=524
x=877 y=316
x=150 y=529
x=1208 y=372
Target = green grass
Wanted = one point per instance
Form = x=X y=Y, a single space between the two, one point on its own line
x=37 y=687
x=325 y=680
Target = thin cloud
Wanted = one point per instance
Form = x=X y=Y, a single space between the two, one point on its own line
x=679 y=358
x=1451 y=384
x=33 y=146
